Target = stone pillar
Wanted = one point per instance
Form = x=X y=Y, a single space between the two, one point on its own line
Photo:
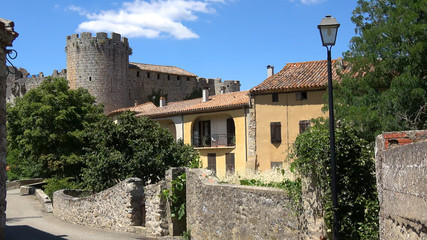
x=176 y=227
x=7 y=35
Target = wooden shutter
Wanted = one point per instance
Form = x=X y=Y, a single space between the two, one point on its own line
x=229 y=162
x=276 y=132
x=212 y=161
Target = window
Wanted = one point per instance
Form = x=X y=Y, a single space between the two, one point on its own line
x=188 y=78
x=148 y=75
x=229 y=162
x=169 y=77
x=158 y=75
x=301 y=95
x=274 y=165
x=90 y=78
x=275 y=97
x=275 y=130
x=212 y=161
x=304 y=125
x=178 y=77
x=137 y=74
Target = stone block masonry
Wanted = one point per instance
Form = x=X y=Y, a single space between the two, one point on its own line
x=7 y=36
x=222 y=211
x=401 y=171
x=100 y=64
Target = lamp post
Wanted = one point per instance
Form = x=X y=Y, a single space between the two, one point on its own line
x=328 y=28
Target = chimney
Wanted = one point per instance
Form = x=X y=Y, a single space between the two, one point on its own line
x=162 y=101
x=340 y=63
x=270 y=70
x=205 y=92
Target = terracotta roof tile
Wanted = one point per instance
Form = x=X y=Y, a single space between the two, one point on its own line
x=224 y=101
x=162 y=69
x=298 y=76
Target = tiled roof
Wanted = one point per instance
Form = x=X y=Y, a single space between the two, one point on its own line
x=298 y=76
x=162 y=69
x=219 y=102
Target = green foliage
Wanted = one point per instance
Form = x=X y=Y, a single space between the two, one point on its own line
x=55 y=184
x=292 y=188
x=134 y=147
x=195 y=93
x=155 y=95
x=356 y=184
x=176 y=197
x=186 y=235
x=46 y=130
x=388 y=77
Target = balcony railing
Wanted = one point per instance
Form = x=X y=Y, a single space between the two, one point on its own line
x=215 y=140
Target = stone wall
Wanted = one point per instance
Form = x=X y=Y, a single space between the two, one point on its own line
x=7 y=36
x=223 y=211
x=19 y=82
x=118 y=208
x=100 y=64
x=401 y=170
x=156 y=221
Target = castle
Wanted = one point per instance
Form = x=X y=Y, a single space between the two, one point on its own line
x=101 y=65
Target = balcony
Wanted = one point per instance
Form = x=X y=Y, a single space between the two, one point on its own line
x=214 y=141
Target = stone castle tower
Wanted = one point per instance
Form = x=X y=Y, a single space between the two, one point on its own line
x=100 y=64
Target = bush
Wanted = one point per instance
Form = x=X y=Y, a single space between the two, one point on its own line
x=55 y=184
x=356 y=184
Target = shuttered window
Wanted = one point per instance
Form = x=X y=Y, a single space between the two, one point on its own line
x=212 y=161
x=229 y=162
x=276 y=132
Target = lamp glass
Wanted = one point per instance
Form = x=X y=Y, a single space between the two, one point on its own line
x=329 y=35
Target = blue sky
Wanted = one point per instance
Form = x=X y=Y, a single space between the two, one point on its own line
x=229 y=39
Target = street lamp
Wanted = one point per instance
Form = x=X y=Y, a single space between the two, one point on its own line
x=328 y=28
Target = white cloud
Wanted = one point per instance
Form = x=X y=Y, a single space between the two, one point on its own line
x=150 y=19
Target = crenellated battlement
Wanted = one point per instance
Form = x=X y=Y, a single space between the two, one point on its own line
x=100 y=40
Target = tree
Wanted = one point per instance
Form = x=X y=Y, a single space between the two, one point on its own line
x=132 y=147
x=46 y=130
x=386 y=88
x=155 y=96
x=195 y=93
x=356 y=184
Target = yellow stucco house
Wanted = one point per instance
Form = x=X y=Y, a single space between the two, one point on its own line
x=215 y=125
x=247 y=130
x=284 y=104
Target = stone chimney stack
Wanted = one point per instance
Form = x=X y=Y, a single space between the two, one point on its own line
x=270 y=70
x=162 y=102
x=205 y=96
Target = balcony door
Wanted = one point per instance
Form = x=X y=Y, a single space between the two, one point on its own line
x=231 y=141
x=205 y=133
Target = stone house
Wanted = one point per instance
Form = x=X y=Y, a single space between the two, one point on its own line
x=284 y=104
x=263 y=123
x=217 y=126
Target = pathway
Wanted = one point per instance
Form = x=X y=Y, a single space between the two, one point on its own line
x=25 y=219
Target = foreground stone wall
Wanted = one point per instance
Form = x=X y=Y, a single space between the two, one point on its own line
x=118 y=208
x=401 y=169
x=223 y=211
x=156 y=221
x=7 y=35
